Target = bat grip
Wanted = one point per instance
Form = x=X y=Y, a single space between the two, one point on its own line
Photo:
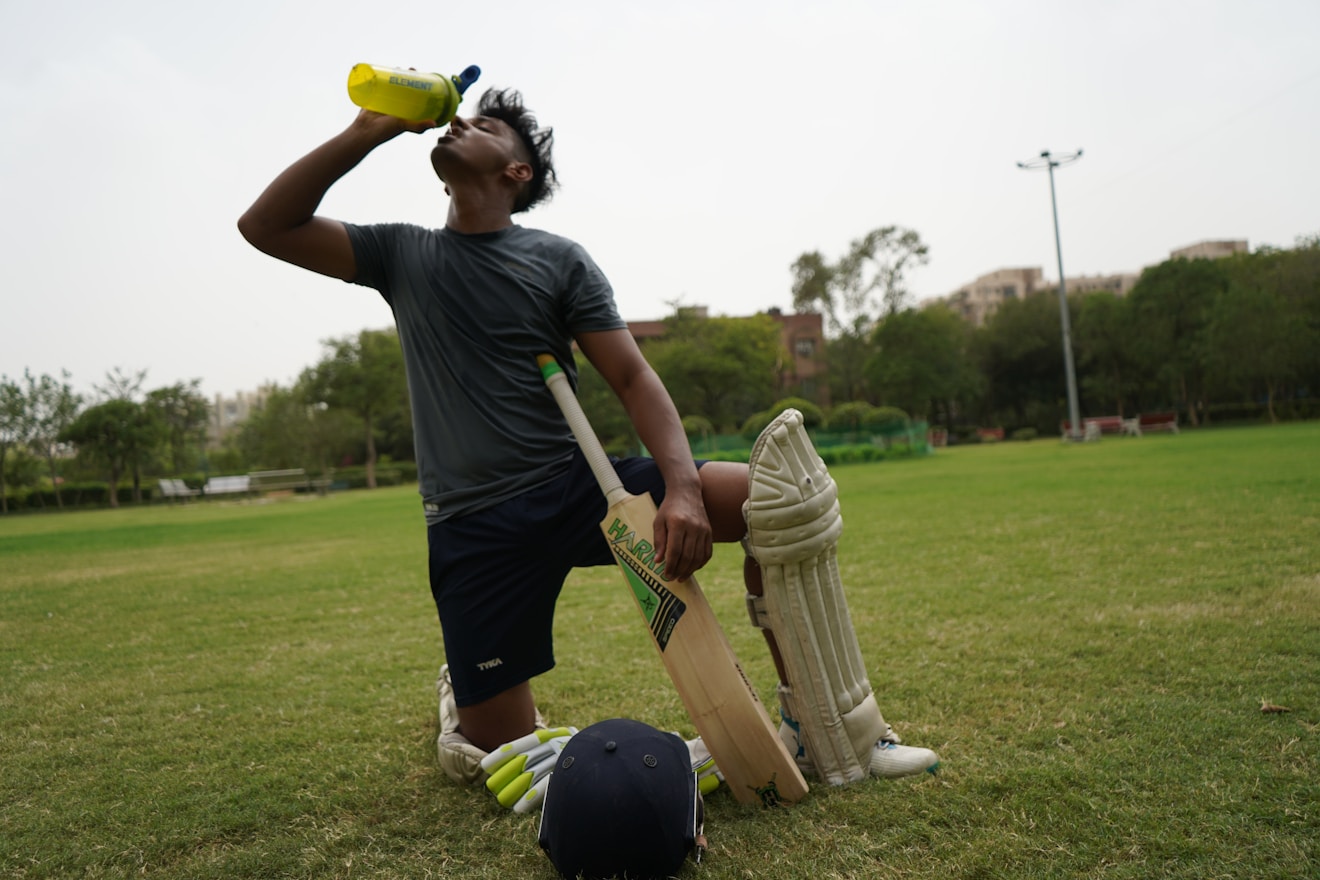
x=605 y=474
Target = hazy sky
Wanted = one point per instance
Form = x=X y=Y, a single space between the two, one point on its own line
x=702 y=147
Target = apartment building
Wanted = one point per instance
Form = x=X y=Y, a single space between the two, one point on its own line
x=227 y=413
x=978 y=300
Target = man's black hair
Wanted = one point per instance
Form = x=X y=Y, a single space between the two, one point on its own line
x=506 y=105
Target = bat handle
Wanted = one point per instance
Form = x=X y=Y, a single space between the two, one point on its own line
x=558 y=384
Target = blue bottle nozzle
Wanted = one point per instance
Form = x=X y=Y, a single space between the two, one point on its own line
x=467 y=78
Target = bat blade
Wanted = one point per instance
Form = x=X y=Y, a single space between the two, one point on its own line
x=722 y=703
x=697 y=655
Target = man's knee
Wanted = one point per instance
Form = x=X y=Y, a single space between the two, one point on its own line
x=723 y=490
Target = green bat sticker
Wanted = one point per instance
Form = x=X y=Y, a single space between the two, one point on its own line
x=661 y=608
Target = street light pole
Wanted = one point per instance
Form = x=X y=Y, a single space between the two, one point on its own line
x=1049 y=163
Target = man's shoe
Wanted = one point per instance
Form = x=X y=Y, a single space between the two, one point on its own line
x=889 y=760
x=460 y=759
x=892 y=761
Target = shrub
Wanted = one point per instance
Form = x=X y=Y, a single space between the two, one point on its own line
x=852 y=416
x=812 y=416
x=755 y=424
x=697 y=426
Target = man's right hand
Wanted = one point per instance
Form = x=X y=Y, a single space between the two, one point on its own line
x=380 y=127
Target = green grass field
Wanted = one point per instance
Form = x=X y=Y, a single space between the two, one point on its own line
x=1085 y=634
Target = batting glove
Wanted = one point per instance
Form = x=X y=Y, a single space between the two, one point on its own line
x=709 y=776
x=520 y=770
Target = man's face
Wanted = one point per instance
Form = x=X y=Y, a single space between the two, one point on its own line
x=478 y=146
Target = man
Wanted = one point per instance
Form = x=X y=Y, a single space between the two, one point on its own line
x=511 y=505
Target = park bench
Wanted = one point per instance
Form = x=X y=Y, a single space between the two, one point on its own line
x=240 y=484
x=286 y=480
x=1093 y=427
x=986 y=435
x=1104 y=424
x=1164 y=421
x=172 y=489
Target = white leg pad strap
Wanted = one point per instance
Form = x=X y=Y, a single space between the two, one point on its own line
x=793 y=525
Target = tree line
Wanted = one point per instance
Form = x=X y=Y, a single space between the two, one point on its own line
x=50 y=434
x=350 y=408
x=1213 y=339
x=1230 y=338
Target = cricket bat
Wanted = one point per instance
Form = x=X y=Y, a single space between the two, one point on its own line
x=722 y=703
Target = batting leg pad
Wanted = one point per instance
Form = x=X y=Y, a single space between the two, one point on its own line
x=793 y=528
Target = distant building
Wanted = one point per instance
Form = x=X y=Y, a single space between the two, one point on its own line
x=1210 y=250
x=1119 y=283
x=978 y=300
x=227 y=413
x=802 y=374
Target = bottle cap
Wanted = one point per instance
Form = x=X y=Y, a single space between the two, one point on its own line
x=467 y=78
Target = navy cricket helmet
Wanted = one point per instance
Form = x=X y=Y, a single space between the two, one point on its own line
x=622 y=802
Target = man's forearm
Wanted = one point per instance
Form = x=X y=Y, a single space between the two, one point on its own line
x=653 y=414
x=293 y=197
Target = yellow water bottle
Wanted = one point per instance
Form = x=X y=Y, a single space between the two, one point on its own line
x=409 y=94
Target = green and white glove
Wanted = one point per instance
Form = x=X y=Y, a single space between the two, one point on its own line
x=520 y=770
x=709 y=776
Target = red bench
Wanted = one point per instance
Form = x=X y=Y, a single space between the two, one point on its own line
x=1166 y=421
x=1094 y=426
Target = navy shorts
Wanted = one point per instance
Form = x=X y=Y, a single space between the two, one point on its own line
x=496 y=574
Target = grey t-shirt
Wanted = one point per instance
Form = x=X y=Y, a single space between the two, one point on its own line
x=473 y=312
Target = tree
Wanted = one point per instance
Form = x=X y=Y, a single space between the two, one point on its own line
x=720 y=368
x=122 y=386
x=1020 y=351
x=604 y=410
x=867 y=283
x=183 y=413
x=1254 y=344
x=1293 y=278
x=116 y=434
x=364 y=376
x=1102 y=333
x=53 y=406
x=1171 y=305
x=288 y=432
x=15 y=428
x=919 y=362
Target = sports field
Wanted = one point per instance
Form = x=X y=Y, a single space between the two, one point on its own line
x=1085 y=633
